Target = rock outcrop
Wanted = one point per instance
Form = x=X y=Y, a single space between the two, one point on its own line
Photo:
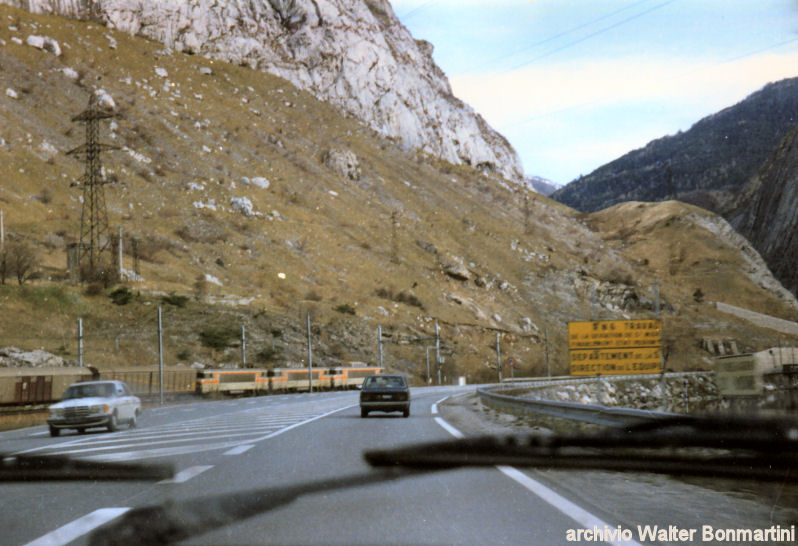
x=12 y=357
x=352 y=53
x=769 y=219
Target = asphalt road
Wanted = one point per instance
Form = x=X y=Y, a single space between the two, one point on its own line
x=252 y=443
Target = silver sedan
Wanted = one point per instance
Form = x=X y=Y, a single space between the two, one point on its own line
x=94 y=404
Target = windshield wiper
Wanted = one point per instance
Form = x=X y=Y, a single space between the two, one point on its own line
x=174 y=521
x=729 y=447
x=734 y=447
x=28 y=468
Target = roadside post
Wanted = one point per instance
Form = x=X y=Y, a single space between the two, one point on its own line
x=80 y=341
x=310 y=359
x=160 y=356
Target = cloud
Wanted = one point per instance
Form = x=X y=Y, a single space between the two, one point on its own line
x=568 y=118
x=553 y=89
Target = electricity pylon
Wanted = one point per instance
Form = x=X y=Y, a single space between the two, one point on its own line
x=94 y=232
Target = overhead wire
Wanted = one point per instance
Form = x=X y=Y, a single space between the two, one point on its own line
x=582 y=105
x=591 y=35
x=561 y=34
x=415 y=10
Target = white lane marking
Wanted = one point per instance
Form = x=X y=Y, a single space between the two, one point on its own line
x=88 y=449
x=79 y=527
x=238 y=450
x=128 y=440
x=187 y=474
x=579 y=515
x=57 y=445
x=449 y=428
x=434 y=407
x=158 y=452
x=306 y=421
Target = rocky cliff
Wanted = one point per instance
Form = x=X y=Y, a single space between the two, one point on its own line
x=769 y=218
x=705 y=166
x=353 y=53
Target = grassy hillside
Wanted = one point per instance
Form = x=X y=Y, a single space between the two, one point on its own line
x=405 y=242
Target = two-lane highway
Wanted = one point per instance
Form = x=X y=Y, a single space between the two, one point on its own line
x=243 y=444
x=254 y=443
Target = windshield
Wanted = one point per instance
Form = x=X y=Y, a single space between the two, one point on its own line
x=90 y=390
x=399 y=272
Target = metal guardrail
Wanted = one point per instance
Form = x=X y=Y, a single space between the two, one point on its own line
x=588 y=413
x=539 y=382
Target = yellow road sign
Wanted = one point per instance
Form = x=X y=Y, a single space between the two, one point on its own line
x=614 y=346
x=602 y=334
x=615 y=361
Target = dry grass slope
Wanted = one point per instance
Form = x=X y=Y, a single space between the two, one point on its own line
x=461 y=249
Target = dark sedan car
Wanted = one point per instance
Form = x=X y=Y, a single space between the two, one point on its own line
x=384 y=393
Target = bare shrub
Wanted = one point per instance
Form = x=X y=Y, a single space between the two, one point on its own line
x=17 y=259
x=312 y=295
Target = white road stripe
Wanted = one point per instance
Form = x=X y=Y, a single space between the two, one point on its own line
x=137 y=455
x=582 y=517
x=579 y=515
x=239 y=450
x=79 y=527
x=295 y=425
x=187 y=474
x=434 y=407
x=141 y=444
x=449 y=428
x=90 y=448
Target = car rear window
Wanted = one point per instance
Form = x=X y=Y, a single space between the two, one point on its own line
x=393 y=382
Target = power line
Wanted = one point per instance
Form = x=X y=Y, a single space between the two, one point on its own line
x=590 y=103
x=589 y=36
x=561 y=34
x=415 y=9
x=774 y=46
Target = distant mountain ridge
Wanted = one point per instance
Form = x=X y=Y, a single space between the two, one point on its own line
x=705 y=166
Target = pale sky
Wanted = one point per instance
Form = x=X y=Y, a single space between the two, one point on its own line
x=574 y=84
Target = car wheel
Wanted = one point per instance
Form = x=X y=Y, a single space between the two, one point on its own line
x=113 y=424
x=54 y=431
x=406 y=413
x=364 y=412
x=133 y=421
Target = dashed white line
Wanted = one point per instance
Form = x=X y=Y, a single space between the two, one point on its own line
x=79 y=527
x=239 y=450
x=187 y=474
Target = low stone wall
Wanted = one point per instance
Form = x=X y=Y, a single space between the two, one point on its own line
x=680 y=394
